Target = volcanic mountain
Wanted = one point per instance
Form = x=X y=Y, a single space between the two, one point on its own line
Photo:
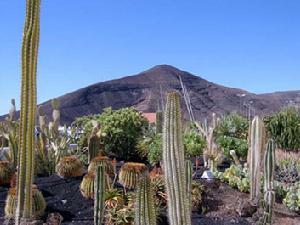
x=147 y=90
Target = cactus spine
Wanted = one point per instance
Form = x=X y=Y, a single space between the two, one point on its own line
x=269 y=194
x=99 y=195
x=28 y=110
x=144 y=203
x=173 y=163
x=256 y=152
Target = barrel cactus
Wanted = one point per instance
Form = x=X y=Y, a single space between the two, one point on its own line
x=69 y=166
x=38 y=203
x=102 y=160
x=6 y=172
x=130 y=173
x=179 y=209
x=87 y=185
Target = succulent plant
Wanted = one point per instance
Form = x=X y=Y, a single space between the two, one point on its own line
x=130 y=174
x=31 y=33
x=99 y=200
x=6 y=172
x=38 y=203
x=256 y=151
x=196 y=193
x=292 y=199
x=287 y=172
x=179 y=209
x=94 y=145
x=269 y=193
x=102 y=160
x=159 y=122
x=144 y=202
x=69 y=166
x=87 y=185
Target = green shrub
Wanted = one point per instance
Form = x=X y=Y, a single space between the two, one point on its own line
x=231 y=134
x=284 y=128
x=194 y=143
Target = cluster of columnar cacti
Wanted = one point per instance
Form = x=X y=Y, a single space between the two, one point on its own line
x=145 y=212
x=9 y=133
x=99 y=195
x=38 y=203
x=256 y=149
x=159 y=122
x=6 y=172
x=269 y=193
x=130 y=174
x=94 y=142
x=28 y=111
x=212 y=154
x=69 y=166
x=179 y=209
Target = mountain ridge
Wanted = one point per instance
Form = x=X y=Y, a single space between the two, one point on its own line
x=146 y=92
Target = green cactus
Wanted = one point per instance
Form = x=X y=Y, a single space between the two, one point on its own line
x=145 y=213
x=269 y=193
x=256 y=153
x=130 y=174
x=179 y=209
x=28 y=110
x=102 y=160
x=55 y=115
x=189 y=179
x=159 y=122
x=87 y=185
x=6 y=172
x=99 y=191
x=69 y=166
x=38 y=203
x=94 y=145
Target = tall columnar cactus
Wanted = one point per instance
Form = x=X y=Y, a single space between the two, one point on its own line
x=256 y=153
x=159 y=122
x=179 y=210
x=55 y=115
x=144 y=203
x=94 y=143
x=269 y=193
x=99 y=195
x=189 y=179
x=28 y=110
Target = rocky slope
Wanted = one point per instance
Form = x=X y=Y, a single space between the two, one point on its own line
x=146 y=92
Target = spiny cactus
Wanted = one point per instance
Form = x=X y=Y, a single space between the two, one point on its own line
x=28 y=110
x=256 y=153
x=99 y=195
x=55 y=115
x=6 y=172
x=189 y=179
x=159 y=122
x=130 y=173
x=87 y=185
x=102 y=160
x=269 y=193
x=144 y=202
x=179 y=210
x=94 y=142
x=69 y=166
x=38 y=203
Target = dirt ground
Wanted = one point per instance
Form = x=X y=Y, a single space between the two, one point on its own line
x=221 y=201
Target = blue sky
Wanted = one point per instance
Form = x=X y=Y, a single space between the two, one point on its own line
x=250 y=44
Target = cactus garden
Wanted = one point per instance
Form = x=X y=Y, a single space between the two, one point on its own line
x=125 y=165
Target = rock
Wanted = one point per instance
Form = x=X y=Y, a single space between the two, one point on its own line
x=54 y=219
x=246 y=208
